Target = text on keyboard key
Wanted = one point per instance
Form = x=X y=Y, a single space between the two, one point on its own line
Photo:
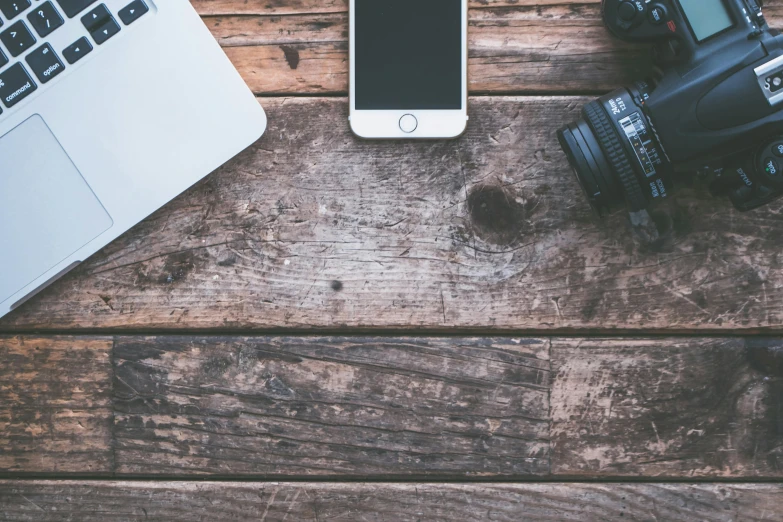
x=17 y=38
x=105 y=31
x=74 y=7
x=12 y=8
x=133 y=11
x=45 y=19
x=77 y=50
x=15 y=85
x=45 y=63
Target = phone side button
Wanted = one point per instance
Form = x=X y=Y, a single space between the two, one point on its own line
x=408 y=123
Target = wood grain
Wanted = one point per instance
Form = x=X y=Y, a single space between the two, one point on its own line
x=341 y=407
x=298 y=7
x=55 y=410
x=515 y=47
x=528 y=49
x=312 y=228
x=394 y=407
x=193 y=501
x=684 y=407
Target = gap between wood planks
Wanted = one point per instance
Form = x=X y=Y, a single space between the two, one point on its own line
x=381 y=479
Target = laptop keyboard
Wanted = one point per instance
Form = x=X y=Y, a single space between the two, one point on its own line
x=27 y=60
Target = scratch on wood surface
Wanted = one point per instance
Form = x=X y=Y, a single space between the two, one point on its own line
x=443 y=305
x=292 y=503
x=31 y=502
x=684 y=298
x=269 y=503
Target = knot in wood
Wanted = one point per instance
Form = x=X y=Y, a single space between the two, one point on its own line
x=497 y=214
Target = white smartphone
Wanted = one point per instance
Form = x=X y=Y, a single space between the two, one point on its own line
x=409 y=62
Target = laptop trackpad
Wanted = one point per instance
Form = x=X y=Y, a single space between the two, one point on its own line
x=47 y=210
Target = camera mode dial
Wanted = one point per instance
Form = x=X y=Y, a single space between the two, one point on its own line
x=625 y=15
x=627 y=11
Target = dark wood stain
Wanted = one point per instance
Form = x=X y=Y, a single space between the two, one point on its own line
x=291 y=56
x=387 y=407
x=766 y=355
x=677 y=399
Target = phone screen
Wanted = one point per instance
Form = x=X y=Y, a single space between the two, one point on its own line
x=408 y=54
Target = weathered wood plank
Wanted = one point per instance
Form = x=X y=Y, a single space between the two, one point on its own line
x=170 y=501
x=311 y=406
x=313 y=228
x=523 y=49
x=673 y=407
x=55 y=410
x=394 y=407
x=298 y=7
x=515 y=47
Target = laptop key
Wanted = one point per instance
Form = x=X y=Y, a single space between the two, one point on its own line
x=74 y=7
x=96 y=18
x=101 y=24
x=45 y=19
x=17 y=38
x=45 y=63
x=15 y=85
x=105 y=31
x=12 y=8
x=133 y=11
x=3 y=59
x=77 y=50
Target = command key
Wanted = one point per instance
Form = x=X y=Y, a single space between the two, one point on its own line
x=15 y=85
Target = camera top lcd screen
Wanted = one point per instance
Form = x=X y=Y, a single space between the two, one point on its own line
x=707 y=17
x=408 y=54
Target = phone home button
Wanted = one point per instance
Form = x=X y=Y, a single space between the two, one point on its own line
x=408 y=123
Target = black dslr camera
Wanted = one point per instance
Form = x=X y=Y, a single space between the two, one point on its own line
x=711 y=108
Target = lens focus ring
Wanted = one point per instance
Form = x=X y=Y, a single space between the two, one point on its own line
x=607 y=138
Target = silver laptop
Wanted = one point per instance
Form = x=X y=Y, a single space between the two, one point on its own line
x=110 y=108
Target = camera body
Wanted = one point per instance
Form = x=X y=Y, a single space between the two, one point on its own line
x=712 y=108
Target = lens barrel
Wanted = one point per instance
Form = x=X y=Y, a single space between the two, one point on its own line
x=615 y=155
x=591 y=168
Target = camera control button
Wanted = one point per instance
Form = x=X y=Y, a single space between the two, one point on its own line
x=408 y=123
x=626 y=11
x=657 y=15
x=777 y=149
x=771 y=167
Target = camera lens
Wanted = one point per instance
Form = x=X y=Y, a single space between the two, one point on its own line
x=591 y=168
x=617 y=160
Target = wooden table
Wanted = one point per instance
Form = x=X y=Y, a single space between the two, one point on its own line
x=331 y=329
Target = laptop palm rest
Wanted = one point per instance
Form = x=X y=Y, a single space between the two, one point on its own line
x=47 y=210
